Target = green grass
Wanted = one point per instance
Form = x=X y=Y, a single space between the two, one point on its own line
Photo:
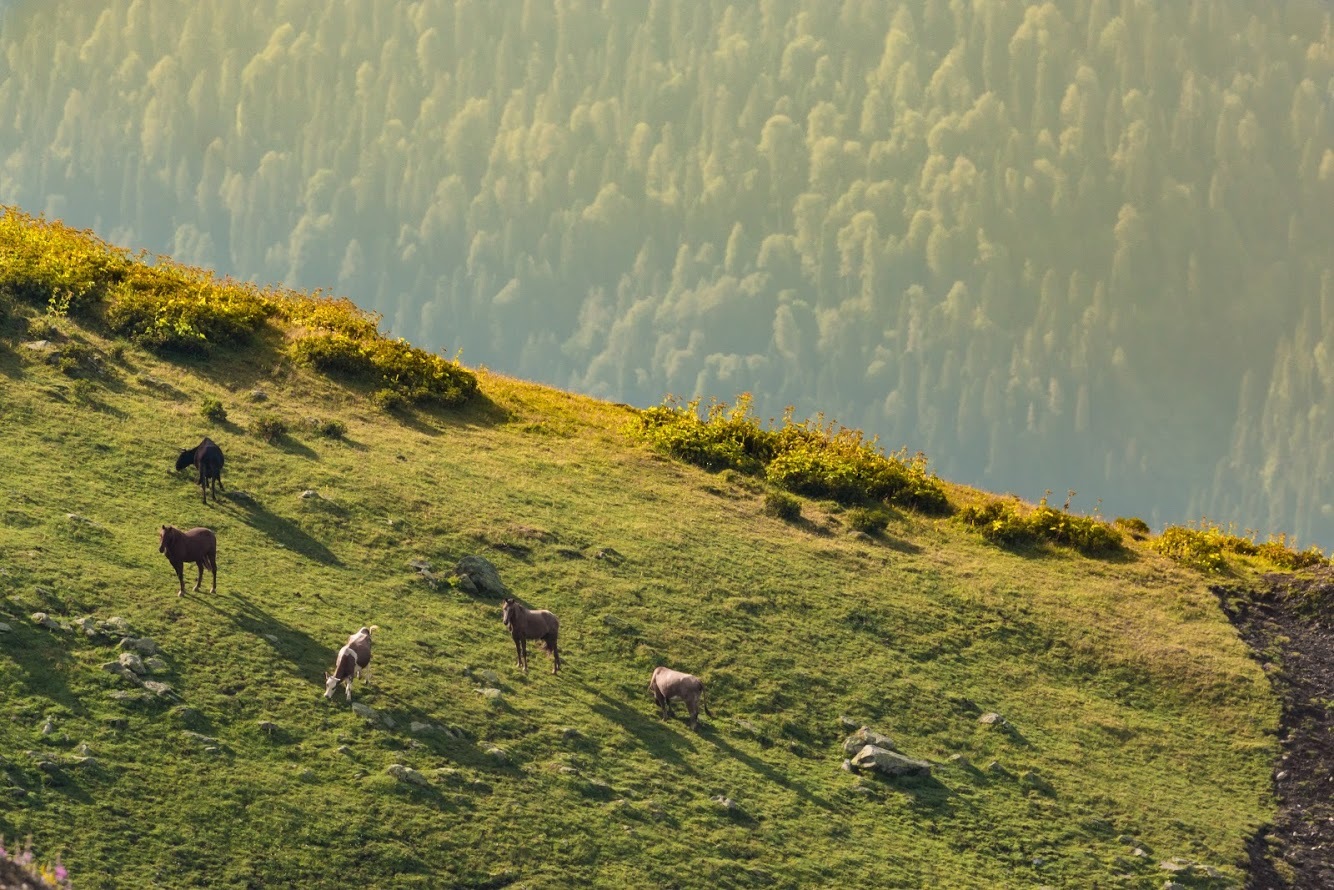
x=1124 y=687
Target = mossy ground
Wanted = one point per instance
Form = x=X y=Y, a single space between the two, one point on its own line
x=1128 y=697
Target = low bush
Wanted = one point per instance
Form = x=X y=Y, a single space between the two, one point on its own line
x=807 y=458
x=269 y=427
x=782 y=506
x=329 y=429
x=1011 y=524
x=212 y=410
x=867 y=521
x=1134 y=525
x=420 y=377
x=1206 y=546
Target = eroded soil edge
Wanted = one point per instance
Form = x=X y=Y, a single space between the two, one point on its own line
x=1288 y=624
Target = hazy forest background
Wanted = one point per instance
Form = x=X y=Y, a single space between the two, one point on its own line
x=1085 y=244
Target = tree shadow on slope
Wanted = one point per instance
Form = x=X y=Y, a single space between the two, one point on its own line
x=280 y=530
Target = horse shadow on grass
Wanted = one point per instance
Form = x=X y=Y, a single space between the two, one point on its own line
x=652 y=734
x=772 y=774
x=280 y=530
x=304 y=655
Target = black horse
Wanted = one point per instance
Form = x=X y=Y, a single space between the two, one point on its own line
x=207 y=459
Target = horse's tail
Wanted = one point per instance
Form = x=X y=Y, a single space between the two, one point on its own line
x=549 y=642
x=704 y=700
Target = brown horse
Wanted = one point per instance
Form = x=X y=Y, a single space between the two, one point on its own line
x=667 y=684
x=198 y=545
x=531 y=624
x=353 y=660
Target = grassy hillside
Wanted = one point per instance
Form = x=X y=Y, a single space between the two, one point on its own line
x=1134 y=719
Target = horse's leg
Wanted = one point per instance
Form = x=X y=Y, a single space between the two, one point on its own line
x=180 y=575
x=200 y=579
x=555 y=655
x=213 y=567
x=662 y=704
x=692 y=705
x=518 y=651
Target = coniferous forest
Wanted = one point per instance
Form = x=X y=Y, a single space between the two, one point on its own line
x=1081 y=245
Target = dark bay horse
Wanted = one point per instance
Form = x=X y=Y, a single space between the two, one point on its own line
x=531 y=624
x=207 y=459
x=198 y=545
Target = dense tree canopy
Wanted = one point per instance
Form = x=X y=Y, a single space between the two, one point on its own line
x=1080 y=244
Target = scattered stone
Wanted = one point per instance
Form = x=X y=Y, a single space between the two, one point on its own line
x=132 y=662
x=116 y=723
x=258 y=395
x=87 y=624
x=994 y=768
x=1139 y=853
x=161 y=690
x=847 y=722
x=477 y=576
x=156 y=665
x=308 y=494
x=270 y=637
x=142 y=645
x=490 y=694
x=726 y=803
x=419 y=565
x=991 y=718
x=569 y=771
x=84 y=762
x=130 y=695
x=847 y=765
x=1031 y=780
x=37 y=345
x=344 y=750
x=1173 y=885
x=5 y=628
x=867 y=736
x=186 y=715
x=41 y=619
x=610 y=554
x=48 y=727
x=498 y=754
x=489 y=677
x=570 y=734
x=387 y=721
x=267 y=727
x=1177 y=865
x=365 y=711
x=407 y=774
x=116 y=625
x=960 y=760
x=417 y=728
x=889 y=763
x=120 y=670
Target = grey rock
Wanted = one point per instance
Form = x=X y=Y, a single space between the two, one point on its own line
x=48 y=727
x=960 y=760
x=116 y=625
x=498 y=754
x=5 y=628
x=344 y=750
x=84 y=762
x=199 y=737
x=477 y=576
x=417 y=728
x=161 y=690
x=991 y=718
x=570 y=734
x=130 y=696
x=120 y=670
x=490 y=694
x=1032 y=780
x=867 y=736
x=889 y=763
x=156 y=665
x=142 y=645
x=309 y=494
x=407 y=774
x=365 y=711
x=726 y=803
x=37 y=345
x=41 y=619
x=132 y=662
x=489 y=677
x=87 y=625
x=847 y=722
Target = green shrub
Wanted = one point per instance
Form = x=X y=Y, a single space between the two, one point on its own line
x=1281 y=556
x=269 y=427
x=782 y=506
x=78 y=360
x=389 y=400
x=212 y=410
x=867 y=521
x=329 y=429
x=418 y=376
x=805 y=458
x=180 y=309
x=1200 y=548
x=1134 y=525
x=1009 y=524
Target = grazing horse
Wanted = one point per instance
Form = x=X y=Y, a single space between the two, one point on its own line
x=198 y=545
x=667 y=684
x=531 y=624
x=207 y=459
x=353 y=660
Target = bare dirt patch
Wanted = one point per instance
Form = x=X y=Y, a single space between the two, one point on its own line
x=1289 y=624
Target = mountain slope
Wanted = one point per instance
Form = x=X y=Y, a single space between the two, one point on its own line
x=1134 y=717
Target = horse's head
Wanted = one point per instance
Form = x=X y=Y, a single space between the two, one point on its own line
x=186 y=459
x=162 y=539
x=330 y=684
x=507 y=611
